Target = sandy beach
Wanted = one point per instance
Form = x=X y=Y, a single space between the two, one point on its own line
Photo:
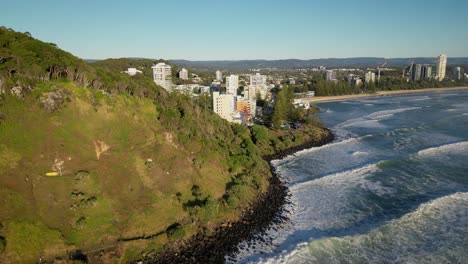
x=322 y=99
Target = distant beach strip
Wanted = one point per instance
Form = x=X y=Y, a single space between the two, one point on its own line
x=323 y=99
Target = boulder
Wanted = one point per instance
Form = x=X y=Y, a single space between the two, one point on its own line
x=52 y=100
x=17 y=91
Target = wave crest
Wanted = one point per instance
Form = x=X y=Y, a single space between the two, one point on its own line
x=440 y=150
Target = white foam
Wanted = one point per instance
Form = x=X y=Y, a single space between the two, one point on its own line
x=461 y=106
x=313 y=208
x=392 y=111
x=324 y=203
x=379 y=115
x=448 y=94
x=285 y=160
x=360 y=153
x=423 y=98
x=434 y=233
x=444 y=149
x=366 y=124
x=341 y=177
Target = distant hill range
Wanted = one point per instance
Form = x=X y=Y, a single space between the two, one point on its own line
x=329 y=63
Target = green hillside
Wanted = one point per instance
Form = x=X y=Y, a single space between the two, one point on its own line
x=92 y=159
x=131 y=160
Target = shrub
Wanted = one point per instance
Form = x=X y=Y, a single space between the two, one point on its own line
x=175 y=231
x=2 y=244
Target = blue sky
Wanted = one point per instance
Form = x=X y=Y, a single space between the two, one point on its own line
x=245 y=29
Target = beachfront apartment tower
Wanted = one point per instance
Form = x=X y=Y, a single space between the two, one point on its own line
x=331 y=75
x=369 y=77
x=232 y=84
x=417 y=72
x=219 y=76
x=457 y=73
x=224 y=105
x=426 y=72
x=441 y=67
x=162 y=75
x=183 y=74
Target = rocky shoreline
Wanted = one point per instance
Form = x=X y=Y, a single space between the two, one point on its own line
x=268 y=210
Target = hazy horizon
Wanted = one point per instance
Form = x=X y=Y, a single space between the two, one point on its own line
x=266 y=30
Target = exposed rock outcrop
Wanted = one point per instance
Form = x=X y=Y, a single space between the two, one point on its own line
x=53 y=100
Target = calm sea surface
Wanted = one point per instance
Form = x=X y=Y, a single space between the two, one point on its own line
x=393 y=188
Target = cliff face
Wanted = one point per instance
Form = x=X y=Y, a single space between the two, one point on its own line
x=90 y=156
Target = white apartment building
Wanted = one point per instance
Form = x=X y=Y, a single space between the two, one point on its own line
x=250 y=92
x=457 y=73
x=224 y=105
x=441 y=67
x=219 y=76
x=192 y=88
x=183 y=74
x=258 y=80
x=331 y=75
x=162 y=75
x=232 y=84
x=369 y=77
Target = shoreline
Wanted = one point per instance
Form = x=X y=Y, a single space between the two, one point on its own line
x=336 y=98
x=268 y=210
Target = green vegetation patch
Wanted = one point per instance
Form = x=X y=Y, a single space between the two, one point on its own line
x=96 y=221
x=2 y=244
x=27 y=241
x=175 y=231
x=8 y=158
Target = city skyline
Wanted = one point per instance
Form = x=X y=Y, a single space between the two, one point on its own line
x=271 y=30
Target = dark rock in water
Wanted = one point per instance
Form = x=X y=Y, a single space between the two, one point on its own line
x=267 y=212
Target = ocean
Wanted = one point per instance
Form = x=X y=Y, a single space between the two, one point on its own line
x=392 y=188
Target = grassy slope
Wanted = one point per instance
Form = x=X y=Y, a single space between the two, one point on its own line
x=131 y=198
x=159 y=147
x=121 y=194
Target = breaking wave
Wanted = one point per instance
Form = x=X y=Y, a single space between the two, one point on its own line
x=444 y=149
x=408 y=239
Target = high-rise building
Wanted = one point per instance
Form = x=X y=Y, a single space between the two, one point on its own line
x=250 y=92
x=441 y=67
x=162 y=75
x=354 y=80
x=351 y=77
x=357 y=81
x=457 y=73
x=219 y=76
x=369 y=77
x=224 y=105
x=183 y=74
x=331 y=75
x=426 y=72
x=416 y=72
x=247 y=106
x=232 y=84
x=258 y=80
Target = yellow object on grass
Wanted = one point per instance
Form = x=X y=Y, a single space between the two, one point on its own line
x=52 y=174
